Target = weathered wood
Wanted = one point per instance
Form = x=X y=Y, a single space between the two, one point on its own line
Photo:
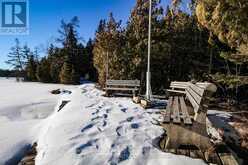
x=122 y=85
x=194 y=94
x=185 y=115
x=176 y=113
x=188 y=132
x=176 y=91
x=226 y=156
x=121 y=89
x=131 y=83
x=192 y=101
x=200 y=91
x=168 y=111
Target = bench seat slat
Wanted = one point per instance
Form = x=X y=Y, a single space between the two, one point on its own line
x=167 y=116
x=185 y=115
x=176 y=112
x=121 y=89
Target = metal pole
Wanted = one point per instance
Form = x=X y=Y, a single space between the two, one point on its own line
x=106 y=68
x=148 y=74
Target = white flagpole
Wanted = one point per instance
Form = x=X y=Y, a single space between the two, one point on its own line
x=148 y=74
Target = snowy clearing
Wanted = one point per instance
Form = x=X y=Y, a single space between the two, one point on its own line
x=92 y=129
x=89 y=129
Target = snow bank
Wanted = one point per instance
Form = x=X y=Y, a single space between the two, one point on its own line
x=95 y=130
x=22 y=107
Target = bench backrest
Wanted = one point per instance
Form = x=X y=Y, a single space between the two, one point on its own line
x=126 y=83
x=198 y=93
x=179 y=85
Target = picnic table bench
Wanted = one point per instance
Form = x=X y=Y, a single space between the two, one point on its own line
x=185 y=116
x=122 y=86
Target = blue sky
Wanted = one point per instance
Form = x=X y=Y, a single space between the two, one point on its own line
x=45 y=17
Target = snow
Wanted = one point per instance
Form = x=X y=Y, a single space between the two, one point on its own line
x=89 y=129
x=22 y=107
x=92 y=129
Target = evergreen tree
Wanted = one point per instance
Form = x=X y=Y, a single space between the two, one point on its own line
x=65 y=74
x=26 y=53
x=89 y=52
x=137 y=39
x=31 y=69
x=16 y=58
x=228 y=20
x=72 y=52
x=56 y=57
x=43 y=71
x=108 y=50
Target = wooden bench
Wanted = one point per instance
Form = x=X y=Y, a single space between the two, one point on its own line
x=177 y=87
x=185 y=118
x=122 y=86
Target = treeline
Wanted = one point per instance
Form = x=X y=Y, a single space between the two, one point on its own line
x=184 y=47
x=207 y=43
x=179 y=50
x=7 y=73
x=66 y=64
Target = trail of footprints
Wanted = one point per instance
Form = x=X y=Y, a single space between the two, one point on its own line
x=99 y=122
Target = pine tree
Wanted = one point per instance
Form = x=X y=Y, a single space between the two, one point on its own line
x=43 y=71
x=108 y=50
x=65 y=74
x=91 y=69
x=31 y=68
x=72 y=61
x=228 y=20
x=137 y=38
x=16 y=58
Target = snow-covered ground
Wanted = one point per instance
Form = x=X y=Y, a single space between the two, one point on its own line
x=90 y=129
x=22 y=107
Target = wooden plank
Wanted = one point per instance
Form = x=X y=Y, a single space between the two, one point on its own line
x=175 y=91
x=185 y=115
x=195 y=95
x=192 y=101
x=176 y=112
x=226 y=156
x=179 y=83
x=134 y=83
x=121 y=89
x=197 y=89
x=214 y=158
x=167 y=116
x=178 y=86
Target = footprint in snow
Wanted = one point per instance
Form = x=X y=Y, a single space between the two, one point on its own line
x=86 y=145
x=124 y=110
x=118 y=130
x=87 y=127
x=96 y=118
x=146 y=150
x=95 y=113
x=129 y=119
x=104 y=123
x=135 y=126
x=105 y=116
x=108 y=110
x=124 y=155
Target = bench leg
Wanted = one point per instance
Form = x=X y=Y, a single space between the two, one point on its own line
x=107 y=93
x=195 y=135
